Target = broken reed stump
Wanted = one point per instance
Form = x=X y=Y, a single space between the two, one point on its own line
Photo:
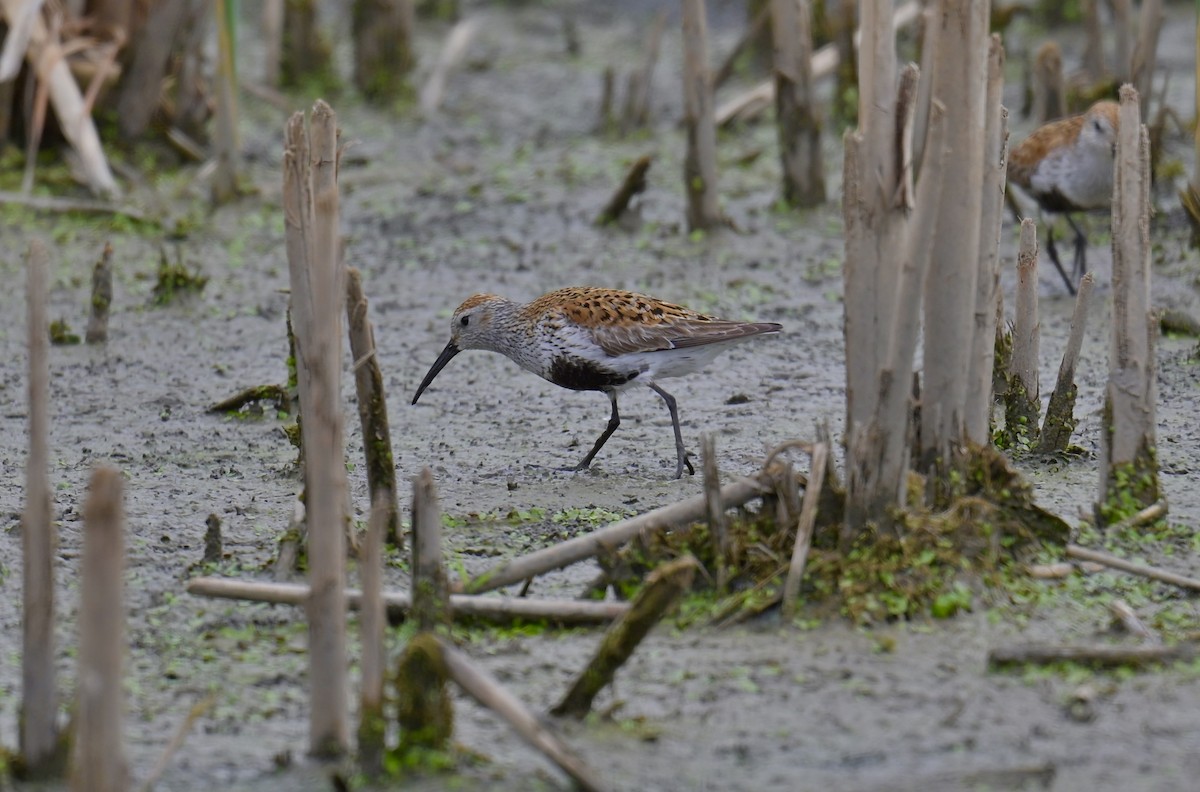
x=372 y=407
x=424 y=709
x=311 y=222
x=718 y=527
x=102 y=295
x=292 y=543
x=988 y=295
x=384 y=54
x=959 y=82
x=305 y=56
x=98 y=755
x=271 y=30
x=430 y=586
x=1122 y=23
x=1093 y=49
x=700 y=160
x=633 y=184
x=1145 y=53
x=226 y=148
x=882 y=320
x=845 y=42
x=1022 y=402
x=606 y=540
x=457 y=42
x=641 y=82
x=1128 y=457
x=1059 y=422
x=213 y=550
x=825 y=61
x=141 y=83
x=754 y=32
x=804 y=531
x=39 y=693
x=372 y=621
x=399 y=604
x=1101 y=656
x=605 y=120
x=661 y=591
x=483 y=687
x=1049 y=85
x=797 y=117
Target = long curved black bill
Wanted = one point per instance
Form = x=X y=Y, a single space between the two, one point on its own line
x=450 y=351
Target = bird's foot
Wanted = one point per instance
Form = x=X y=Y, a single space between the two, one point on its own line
x=684 y=463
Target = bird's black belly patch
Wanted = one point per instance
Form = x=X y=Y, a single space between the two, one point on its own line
x=584 y=375
x=1054 y=201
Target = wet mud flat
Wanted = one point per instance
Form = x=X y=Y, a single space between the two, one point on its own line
x=498 y=194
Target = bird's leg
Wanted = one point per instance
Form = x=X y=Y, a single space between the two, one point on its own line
x=1053 y=251
x=613 y=423
x=1080 y=251
x=682 y=460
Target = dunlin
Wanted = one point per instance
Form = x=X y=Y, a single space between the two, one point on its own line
x=1067 y=166
x=597 y=340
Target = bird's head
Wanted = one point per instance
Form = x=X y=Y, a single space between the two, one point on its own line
x=1100 y=126
x=471 y=327
x=472 y=323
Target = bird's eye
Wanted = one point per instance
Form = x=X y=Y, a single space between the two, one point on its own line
x=466 y=320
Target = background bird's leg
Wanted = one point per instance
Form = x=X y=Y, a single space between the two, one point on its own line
x=1053 y=251
x=613 y=423
x=1080 y=251
x=682 y=460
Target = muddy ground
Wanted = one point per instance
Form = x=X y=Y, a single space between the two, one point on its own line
x=498 y=193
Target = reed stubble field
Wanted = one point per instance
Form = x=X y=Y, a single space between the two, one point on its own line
x=498 y=193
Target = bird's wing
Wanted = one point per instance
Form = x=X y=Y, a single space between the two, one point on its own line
x=1023 y=161
x=626 y=339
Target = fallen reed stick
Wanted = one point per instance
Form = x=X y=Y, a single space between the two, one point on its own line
x=1101 y=656
x=1154 y=573
x=50 y=203
x=1129 y=620
x=1152 y=513
x=398 y=603
x=481 y=686
x=606 y=540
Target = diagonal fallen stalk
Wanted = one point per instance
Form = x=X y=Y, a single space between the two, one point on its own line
x=606 y=540
x=483 y=687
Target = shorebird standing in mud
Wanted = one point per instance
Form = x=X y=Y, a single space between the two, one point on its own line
x=596 y=339
x=1067 y=166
